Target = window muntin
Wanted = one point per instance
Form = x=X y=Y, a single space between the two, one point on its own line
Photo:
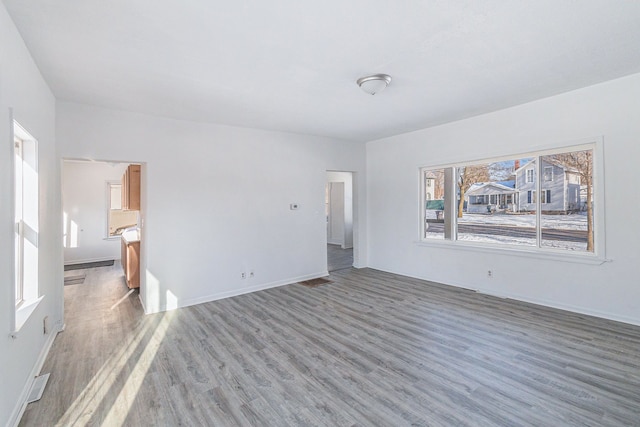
x=545 y=196
x=118 y=219
x=528 y=215
x=530 y=175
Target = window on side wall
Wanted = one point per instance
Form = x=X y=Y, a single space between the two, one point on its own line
x=118 y=219
x=495 y=202
x=26 y=225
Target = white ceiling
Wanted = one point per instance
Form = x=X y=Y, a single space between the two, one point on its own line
x=291 y=65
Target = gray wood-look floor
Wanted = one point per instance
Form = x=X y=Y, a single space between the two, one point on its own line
x=338 y=258
x=371 y=348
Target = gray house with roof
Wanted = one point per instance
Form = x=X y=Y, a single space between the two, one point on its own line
x=559 y=188
x=559 y=191
x=491 y=197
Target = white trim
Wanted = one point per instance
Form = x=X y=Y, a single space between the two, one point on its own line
x=23 y=313
x=530 y=175
x=522 y=298
x=12 y=207
x=21 y=405
x=22 y=310
x=236 y=292
x=559 y=255
x=595 y=144
x=107 y=208
x=144 y=309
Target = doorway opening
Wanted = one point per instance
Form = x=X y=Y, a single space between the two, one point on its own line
x=102 y=219
x=339 y=214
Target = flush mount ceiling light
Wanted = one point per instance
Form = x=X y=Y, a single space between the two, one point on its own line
x=374 y=83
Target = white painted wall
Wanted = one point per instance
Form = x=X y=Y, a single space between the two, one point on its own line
x=23 y=89
x=610 y=290
x=347 y=179
x=84 y=205
x=236 y=185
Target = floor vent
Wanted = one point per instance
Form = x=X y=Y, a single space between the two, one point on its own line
x=38 y=388
x=315 y=282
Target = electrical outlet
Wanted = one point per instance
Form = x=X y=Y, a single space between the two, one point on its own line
x=489 y=273
x=251 y=274
x=243 y=275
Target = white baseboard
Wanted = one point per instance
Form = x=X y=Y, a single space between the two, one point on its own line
x=144 y=309
x=21 y=406
x=236 y=292
x=524 y=298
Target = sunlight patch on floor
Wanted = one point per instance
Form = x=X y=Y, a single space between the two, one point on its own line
x=98 y=391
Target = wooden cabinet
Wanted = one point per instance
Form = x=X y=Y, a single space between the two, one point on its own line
x=131 y=262
x=131 y=188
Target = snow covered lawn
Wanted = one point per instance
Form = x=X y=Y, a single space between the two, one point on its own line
x=504 y=232
x=561 y=222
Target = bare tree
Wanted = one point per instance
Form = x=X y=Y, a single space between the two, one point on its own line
x=439 y=185
x=582 y=163
x=501 y=171
x=467 y=176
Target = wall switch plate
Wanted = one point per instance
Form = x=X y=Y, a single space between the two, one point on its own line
x=294 y=206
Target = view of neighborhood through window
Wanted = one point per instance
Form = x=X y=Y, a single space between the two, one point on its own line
x=435 y=203
x=567 y=220
x=492 y=208
x=541 y=200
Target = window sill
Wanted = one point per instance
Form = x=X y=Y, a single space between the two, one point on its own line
x=518 y=252
x=23 y=313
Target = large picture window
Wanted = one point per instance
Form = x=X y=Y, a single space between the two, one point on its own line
x=542 y=200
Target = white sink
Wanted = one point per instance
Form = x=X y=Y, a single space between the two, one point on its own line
x=131 y=235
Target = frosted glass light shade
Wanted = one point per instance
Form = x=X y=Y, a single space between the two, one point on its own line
x=374 y=83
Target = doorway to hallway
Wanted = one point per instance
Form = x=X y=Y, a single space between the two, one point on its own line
x=339 y=213
x=338 y=258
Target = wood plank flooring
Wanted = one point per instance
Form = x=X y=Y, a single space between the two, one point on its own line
x=371 y=348
x=338 y=258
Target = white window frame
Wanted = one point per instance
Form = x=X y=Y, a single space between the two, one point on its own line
x=549 y=175
x=25 y=293
x=18 y=145
x=531 y=197
x=531 y=176
x=108 y=208
x=598 y=256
